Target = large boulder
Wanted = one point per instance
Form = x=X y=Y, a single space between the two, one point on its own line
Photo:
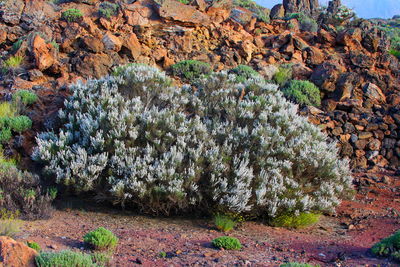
x=16 y=254
x=175 y=10
x=142 y=13
x=277 y=12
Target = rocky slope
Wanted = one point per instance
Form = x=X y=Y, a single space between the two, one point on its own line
x=358 y=79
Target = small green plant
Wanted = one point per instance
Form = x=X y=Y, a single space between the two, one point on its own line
x=17 y=45
x=295 y=221
x=303 y=93
x=227 y=242
x=395 y=53
x=55 y=45
x=107 y=9
x=283 y=75
x=64 y=258
x=307 y=24
x=186 y=2
x=162 y=254
x=224 y=223
x=13 y=62
x=25 y=96
x=190 y=70
x=34 y=246
x=101 y=239
x=296 y=264
x=9 y=223
x=244 y=73
x=388 y=247
x=5 y=135
x=72 y=15
x=7 y=109
x=52 y=192
x=20 y=124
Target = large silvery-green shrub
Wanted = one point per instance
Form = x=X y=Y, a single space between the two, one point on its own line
x=236 y=147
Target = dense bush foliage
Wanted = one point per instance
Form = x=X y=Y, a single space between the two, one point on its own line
x=64 y=258
x=388 y=247
x=283 y=75
x=303 y=93
x=235 y=147
x=20 y=191
x=101 y=239
x=227 y=242
x=190 y=70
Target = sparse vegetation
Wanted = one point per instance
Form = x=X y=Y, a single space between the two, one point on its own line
x=243 y=73
x=303 y=93
x=107 y=9
x=72 y=15
x=9 y=223
x=227 y=242
x=295 y=221
x=101 y=239
x=190 y=70
x=34 y=246
x=224 y=223
x=260 y=12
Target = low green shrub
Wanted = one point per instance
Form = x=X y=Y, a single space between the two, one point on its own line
x=64 y=258
x=302 y=93
x=13 y=62
x=107 y=9
x=162 y=254
x=295 y=221
x=101 y=239
x=5 y=135
x=20 y=124
x=283 y=75
x=17 y=45
x=7 y=109
x=186 y=2
x=244 y=73
x=395 y=53
x=224 y=223
x=190 y=70
x=25 y=96
x=388 y=247
x=296 y=264
x=72 y=15
x=227 y=242
x=34 y=246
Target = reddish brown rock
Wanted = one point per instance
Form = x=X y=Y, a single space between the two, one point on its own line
x=175 y=10
x=277 y=12
x=16 y=254
x=374 y=93
x=112 y=42
x=43 y=53
x=131 y=43
x=141 y=13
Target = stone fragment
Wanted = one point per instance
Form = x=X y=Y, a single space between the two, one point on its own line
x=15 y=254
x=112 y=42
x=175 y=10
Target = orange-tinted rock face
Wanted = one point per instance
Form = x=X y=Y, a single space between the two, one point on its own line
x=16 y=254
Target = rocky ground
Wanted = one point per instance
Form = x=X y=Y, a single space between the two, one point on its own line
x=340 y=240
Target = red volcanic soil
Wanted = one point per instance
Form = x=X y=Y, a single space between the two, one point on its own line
x=340 y=240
